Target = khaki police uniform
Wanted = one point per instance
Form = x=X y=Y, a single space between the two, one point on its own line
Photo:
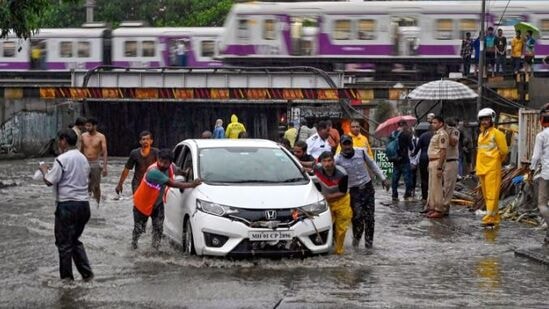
x=452 y=167
x=435 y=199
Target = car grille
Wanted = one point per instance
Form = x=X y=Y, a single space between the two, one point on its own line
x=249 y=216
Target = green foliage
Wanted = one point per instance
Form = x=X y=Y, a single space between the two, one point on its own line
x=160 y=13
x=21 y=17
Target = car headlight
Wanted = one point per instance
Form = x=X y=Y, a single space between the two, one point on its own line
x=315 y=209
x=215 y=208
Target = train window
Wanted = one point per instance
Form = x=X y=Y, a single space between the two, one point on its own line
x=342 y=29
x=148 y=49
x=544 y=28
x=445 y=28
x=468 y=25
x=269 y=32
x=9 y=49
x=130 y=49
x=83 y=49
x=65 y=49
x=366 y=29
x=243 y=32
x=207 y=48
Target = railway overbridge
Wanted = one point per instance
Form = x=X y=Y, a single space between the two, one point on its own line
x=181 y=103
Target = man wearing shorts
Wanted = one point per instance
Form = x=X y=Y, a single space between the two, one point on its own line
x=94 y=146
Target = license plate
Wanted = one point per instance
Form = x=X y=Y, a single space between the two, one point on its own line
x=270 y=235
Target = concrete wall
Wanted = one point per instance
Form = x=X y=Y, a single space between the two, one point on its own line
x=28 y=124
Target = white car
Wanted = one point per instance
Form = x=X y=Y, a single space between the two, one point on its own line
x=255 y=199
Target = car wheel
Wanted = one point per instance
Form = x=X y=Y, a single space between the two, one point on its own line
x=188 y=243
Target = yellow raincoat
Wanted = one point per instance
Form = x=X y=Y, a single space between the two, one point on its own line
x=341 y=217
x=492 y=149
x=234 y=128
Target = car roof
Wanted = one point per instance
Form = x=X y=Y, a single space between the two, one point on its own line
x=227 y=142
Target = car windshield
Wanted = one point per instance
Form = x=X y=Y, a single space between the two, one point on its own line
x=248 y=165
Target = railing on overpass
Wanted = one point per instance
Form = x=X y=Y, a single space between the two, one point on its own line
x=235 y=77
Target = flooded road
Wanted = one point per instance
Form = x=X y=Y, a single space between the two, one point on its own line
x=415 y=262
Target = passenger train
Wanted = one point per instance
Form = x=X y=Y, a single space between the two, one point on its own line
x=373 y=31
x=304 y=33
x=86 y=48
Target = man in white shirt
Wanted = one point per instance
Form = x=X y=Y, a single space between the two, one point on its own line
x=318 y=143
x=69 y=175
x=541 y=157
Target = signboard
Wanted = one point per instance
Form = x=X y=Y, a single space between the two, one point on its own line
x=381 y=159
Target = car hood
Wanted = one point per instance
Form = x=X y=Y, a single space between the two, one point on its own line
x=260 y=197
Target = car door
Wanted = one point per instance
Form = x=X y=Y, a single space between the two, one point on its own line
x=175 y=198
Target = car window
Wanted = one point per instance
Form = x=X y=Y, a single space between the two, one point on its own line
x=248 y=165
x=187 y=166
x=178 y=155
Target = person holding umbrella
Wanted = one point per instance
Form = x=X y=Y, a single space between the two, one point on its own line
x=529 y=45
x=529 y=53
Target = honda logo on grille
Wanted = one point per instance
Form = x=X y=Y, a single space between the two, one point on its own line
x=270 y=214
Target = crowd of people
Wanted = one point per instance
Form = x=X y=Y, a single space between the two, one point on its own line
x=344 y=167
x=495 y=47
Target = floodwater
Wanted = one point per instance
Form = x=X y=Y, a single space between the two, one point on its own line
x=415 y=262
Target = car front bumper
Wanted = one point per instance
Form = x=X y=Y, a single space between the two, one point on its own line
x=237 y=242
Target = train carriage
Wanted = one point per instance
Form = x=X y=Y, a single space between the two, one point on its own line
x=162 y=47
x=412 y=32
x=54 y=49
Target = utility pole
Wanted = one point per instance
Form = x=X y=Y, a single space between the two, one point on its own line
x=482 y=56
x=90 y=5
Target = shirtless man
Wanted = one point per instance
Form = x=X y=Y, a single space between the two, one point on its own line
x=94 y=145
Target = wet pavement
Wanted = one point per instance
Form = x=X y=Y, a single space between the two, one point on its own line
x=415 y=262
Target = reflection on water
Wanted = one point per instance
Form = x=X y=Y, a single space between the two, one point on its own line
x=491 y=234
x=488 y=270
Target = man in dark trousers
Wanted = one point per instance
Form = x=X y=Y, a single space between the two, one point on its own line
x=150 y=196
x=140 y=158
x=69 y=174
x=356 y=162
x=422 y=146
x=401 y=167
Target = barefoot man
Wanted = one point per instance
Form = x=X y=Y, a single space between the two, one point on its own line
x=94 y=145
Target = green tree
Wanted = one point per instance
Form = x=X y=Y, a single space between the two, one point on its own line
x=24 y=17
x=21 y=17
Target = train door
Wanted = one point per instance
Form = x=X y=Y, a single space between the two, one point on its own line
x=38 y=54
x=303 y=33
x=405 y=34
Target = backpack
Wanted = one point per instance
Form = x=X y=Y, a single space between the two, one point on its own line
x=392 y=150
